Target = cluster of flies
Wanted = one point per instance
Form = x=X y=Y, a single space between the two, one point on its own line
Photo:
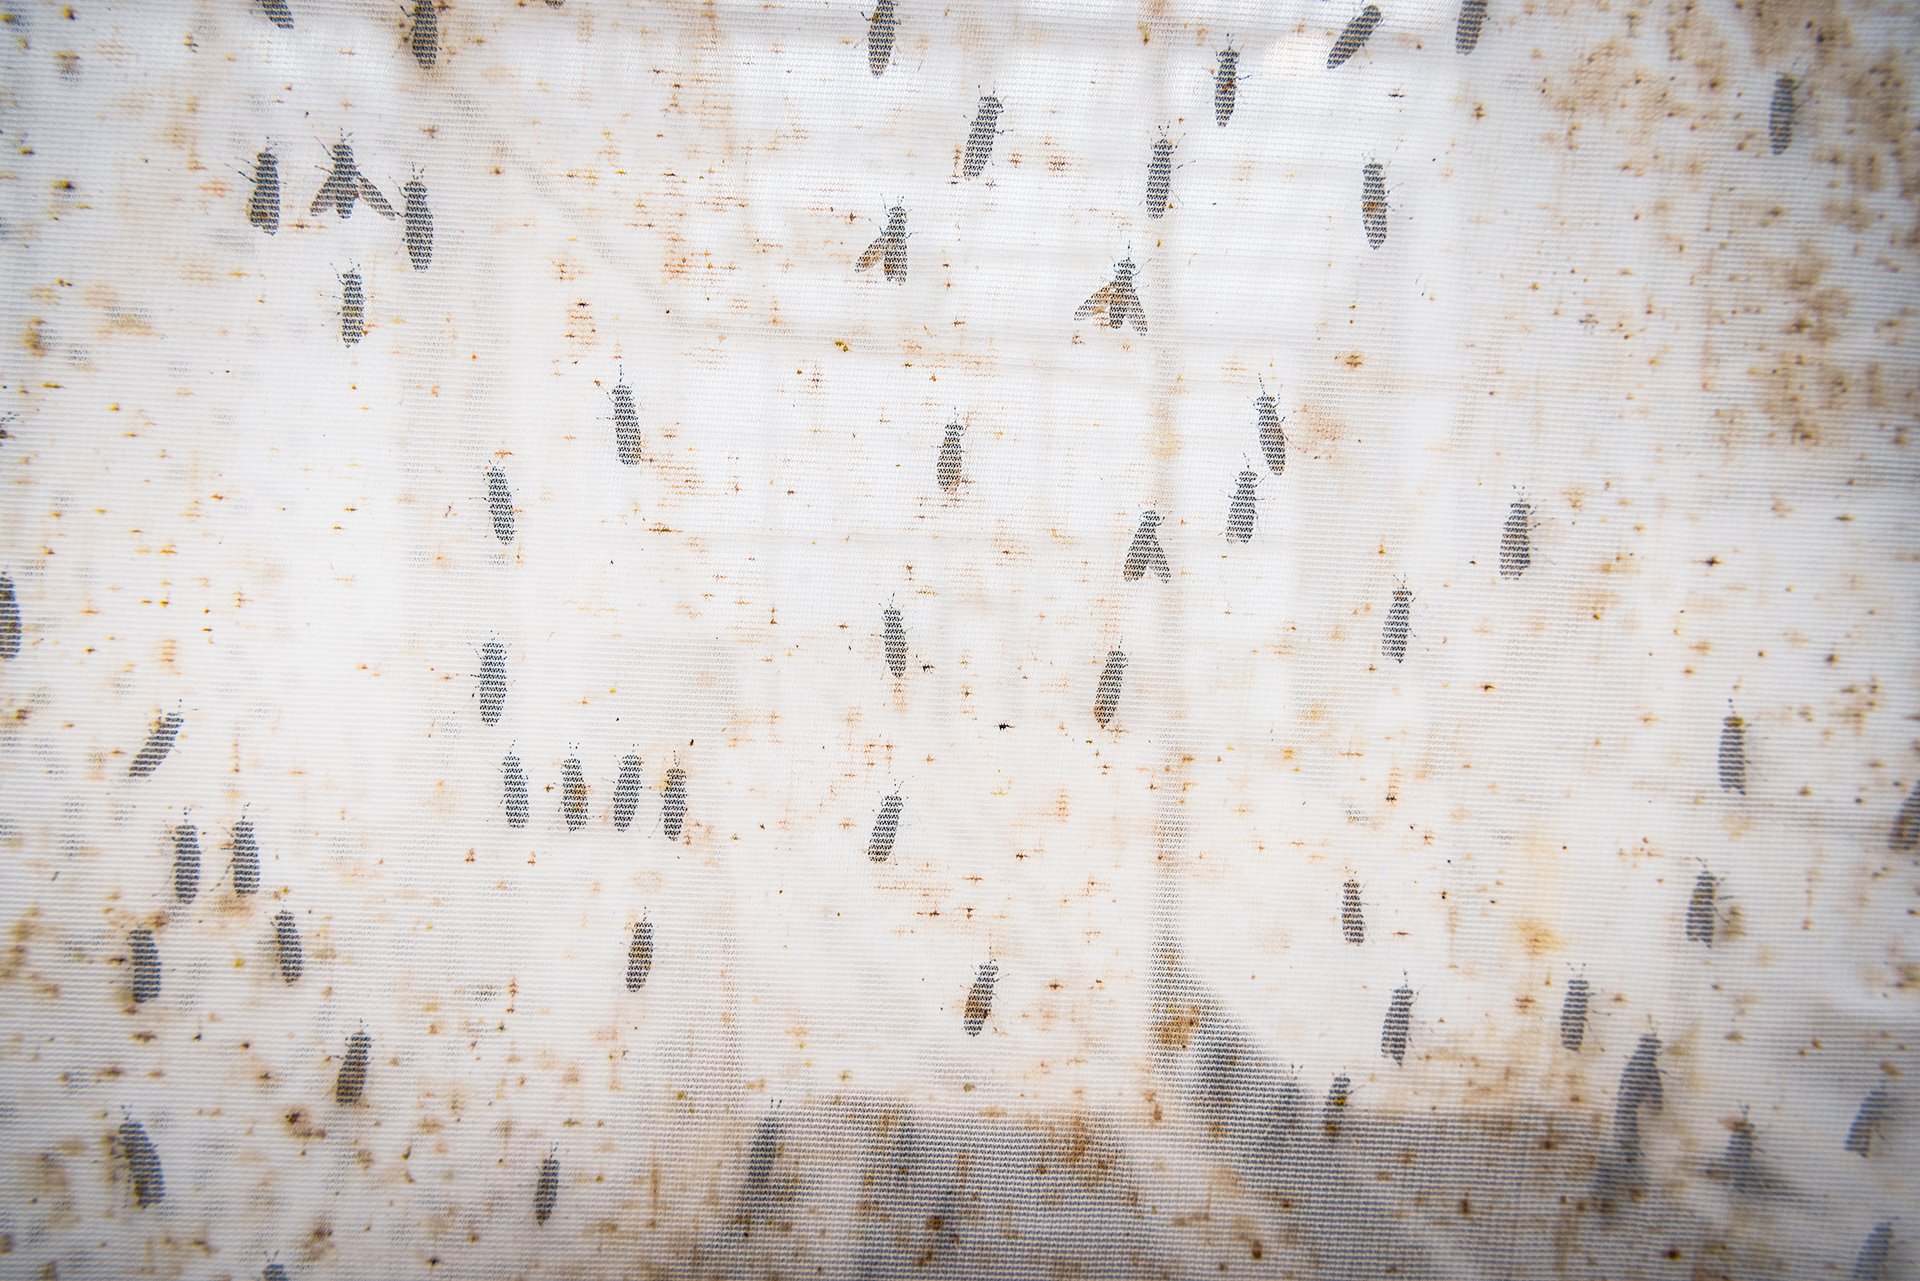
x=143 y=1161
x=1739 y=1167
x=640 y=947
x=1641 y=1090
x=627 y=791
x=889 y=249
x=346 y=185
x=423 y=26
x=184 y=838
x=626 y=441
x=1702 y=922
x=1640 y=1086
x=886 y=824
x=146 y=1178
x=1515 y=558
x=1396 y=1031
x=10 y=629
x=515 y=796
x=344 y=188
x=1117 y=303
x=1146 y=556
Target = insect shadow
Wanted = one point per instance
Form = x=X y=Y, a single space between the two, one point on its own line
x=1373 y=202
x=980 y=998
x=345 y=185
x=979 y=146
x=1271 y=426
x=573 y=790
x=626 y=791
x=186 y=860
x=1396 y=1028
x=880 y=33
x=1904 y=836
x=1144 y=554
x=143 y=1163
x=546 y=1188
x=947 y=468
x=640 y=954
x=10 y=625
x=626 y=423
x=1354 y=36
x=889 y=248
x=1703 y=908
x=1117 y=302
x=1874 y=1110
x=350 y=1083
x=1516 y=538
x=245 y=863
x=417 y=222
x=1106 y=697
x=144 y=957
x=1160 y=169
x=1399 y=624
x=1339 y=1099
x=1733 y=752
x=1242 y=507
x=1467 y=27
x=1876 y=1251
x=1739 y=1167
x=1782 y=113
x=287 y=948
x=886 y=827
x=893 y=630
x=1640 y=1088
x=513 y=790
x=353 y=307
x=1573 y=1013
x=492 y=681
x=1226 y=83
x=424 y=36
x=159 y=744
x=263 y=204
x=673 y=802
x=499 y=503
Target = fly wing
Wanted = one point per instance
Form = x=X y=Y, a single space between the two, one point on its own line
x=875 y=252
x=1107 y=296
x=330 y=193
x=371 y=194
x=1157 y=562
x=1130 y=309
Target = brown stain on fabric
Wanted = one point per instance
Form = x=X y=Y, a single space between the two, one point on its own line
x=1538 y=938
x=1867 y=83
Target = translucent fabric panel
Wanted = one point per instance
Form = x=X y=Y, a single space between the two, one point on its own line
x=779 y=638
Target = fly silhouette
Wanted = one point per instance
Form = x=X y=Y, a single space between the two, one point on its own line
x=1115 y=302
x=889 y=248
x=1145 y=555
x=346 y=184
